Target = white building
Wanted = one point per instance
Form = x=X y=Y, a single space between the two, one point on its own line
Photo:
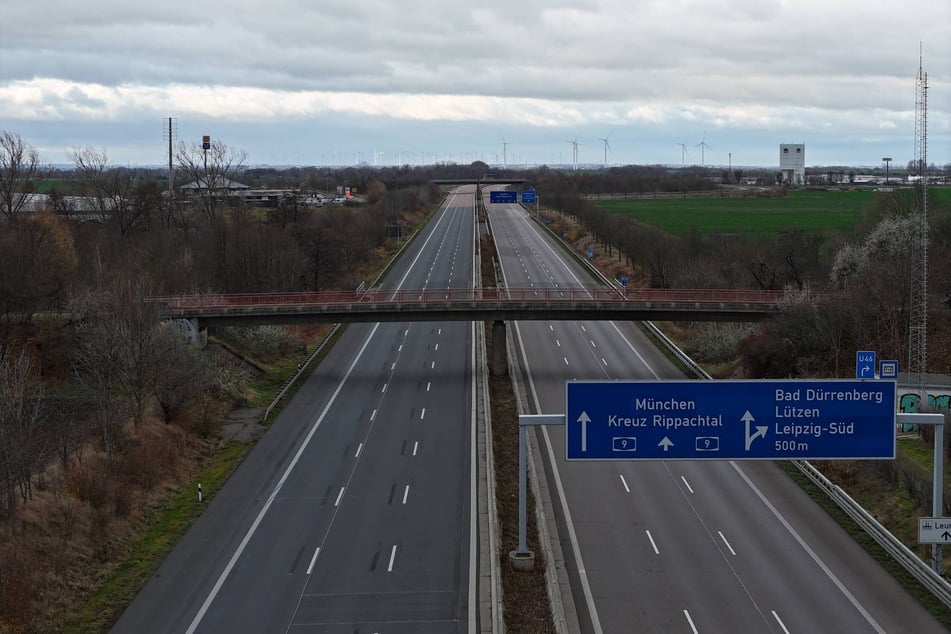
x=792 y=163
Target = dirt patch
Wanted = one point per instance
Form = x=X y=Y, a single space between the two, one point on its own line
x=242 y=424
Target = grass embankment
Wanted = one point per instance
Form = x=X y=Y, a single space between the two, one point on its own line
x=167 y=524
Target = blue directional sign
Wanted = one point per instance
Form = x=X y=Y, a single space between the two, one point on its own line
x=888 y=369
x=590 y=251
x=624 y=281
x=503 y=197
x=865 y=364
x=528 y=196
x=730 y=420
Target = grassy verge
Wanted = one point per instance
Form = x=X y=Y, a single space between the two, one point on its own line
x=166 y=526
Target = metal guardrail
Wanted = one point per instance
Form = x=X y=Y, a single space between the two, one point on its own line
x=931 y=580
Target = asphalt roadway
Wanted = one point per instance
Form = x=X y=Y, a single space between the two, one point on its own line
x=355 y=512
x=693 y=547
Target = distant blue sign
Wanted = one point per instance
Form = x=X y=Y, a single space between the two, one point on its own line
x=730 y=420
x=865 y=364
x=503 y=197
x=528 y=197
x=888 y=369
x=624 y=281
x=590 y=251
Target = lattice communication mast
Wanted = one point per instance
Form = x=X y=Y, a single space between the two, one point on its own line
x=918 y=331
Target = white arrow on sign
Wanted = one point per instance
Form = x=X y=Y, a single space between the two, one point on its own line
x=666 y=443
x=584 y=419
x=759 y=433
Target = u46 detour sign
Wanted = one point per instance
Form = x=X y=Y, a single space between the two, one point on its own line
x=730 y=420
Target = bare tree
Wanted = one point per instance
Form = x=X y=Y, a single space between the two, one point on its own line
x=19 y=168
x=115 y=356
x=111 y=189
x=22 y=443
x=211 y=173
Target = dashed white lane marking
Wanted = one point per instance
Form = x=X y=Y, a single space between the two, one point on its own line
x=653 y=543
x=624 y=482
x=687 y=484
x=359 y=449
x=693 y=627
x=313 y=560
x=389 y=568
x=723 y=537
x=422 y=414
x=780 y=621
x=373 y=416
x=415 y=447
x=405 y=493
x=339 y=496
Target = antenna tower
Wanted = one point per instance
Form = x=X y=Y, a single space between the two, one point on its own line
x=170 y=131
x=918 y=327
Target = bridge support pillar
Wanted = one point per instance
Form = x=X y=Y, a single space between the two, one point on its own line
x=192 y=332
x=499 y=364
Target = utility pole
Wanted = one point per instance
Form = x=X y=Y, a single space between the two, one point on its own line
x=886 y=160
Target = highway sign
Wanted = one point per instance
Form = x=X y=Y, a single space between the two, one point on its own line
x=590 y=251
x=865 y=364
x=730 y=420
x=888 y=369
x=528 y=196
x=934 y=530
x=503 y=197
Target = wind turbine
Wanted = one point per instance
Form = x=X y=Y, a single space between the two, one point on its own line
x=505 y=146
x=703 y=145
x=607 y=146
x=574 y=151
x=683 y=152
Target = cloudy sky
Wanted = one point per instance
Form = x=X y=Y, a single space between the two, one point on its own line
x=334 y=82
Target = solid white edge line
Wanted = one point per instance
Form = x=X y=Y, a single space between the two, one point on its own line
x=653 y=543
x=624 y=482
x=473 y=479
x=780 y=621
x=313 y=560
x=389 y=568
x=805 y=546
x=277 y=489
x=723 y=537
x=690 y=623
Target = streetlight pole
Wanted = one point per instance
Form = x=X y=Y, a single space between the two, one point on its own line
x=886 y=160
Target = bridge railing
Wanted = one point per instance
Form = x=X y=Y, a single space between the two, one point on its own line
x=469 y=295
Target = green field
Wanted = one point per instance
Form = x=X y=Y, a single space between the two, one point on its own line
x=833 y=211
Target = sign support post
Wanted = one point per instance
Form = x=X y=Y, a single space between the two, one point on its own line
x=937 y=486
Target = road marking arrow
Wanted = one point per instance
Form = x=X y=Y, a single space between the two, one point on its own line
x=759 y=433
x=584 y=419
x=666 y=443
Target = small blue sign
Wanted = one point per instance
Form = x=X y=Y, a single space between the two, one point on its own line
x=624 y=281
x=888 y=369
x=503 y=197
x=564 y=235
x=590 y=251
x=528 y=197
x=865 y=364
x=730 y=420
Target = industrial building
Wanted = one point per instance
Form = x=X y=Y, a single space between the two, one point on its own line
x=792 y=163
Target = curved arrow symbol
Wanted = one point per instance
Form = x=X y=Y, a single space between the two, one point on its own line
x=759 y=433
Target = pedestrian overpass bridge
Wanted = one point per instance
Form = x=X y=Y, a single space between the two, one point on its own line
x=483 y=304
x=195 y=313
